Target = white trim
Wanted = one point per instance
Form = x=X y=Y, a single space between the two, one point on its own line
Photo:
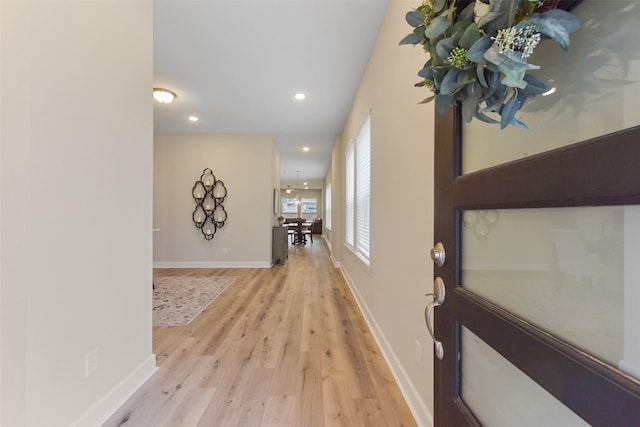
x=104 y=408
x=422 y=415
x=335 y=263
x=207 y=264
x=329 y=245
x=362 y=260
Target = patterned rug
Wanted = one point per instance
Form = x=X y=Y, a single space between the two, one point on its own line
x=178 y=300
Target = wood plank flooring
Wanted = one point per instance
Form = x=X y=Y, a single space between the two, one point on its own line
x=281 y=347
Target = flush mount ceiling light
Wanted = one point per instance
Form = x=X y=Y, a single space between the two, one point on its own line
x=164 y=96
x=299 y=96
x=193 y=119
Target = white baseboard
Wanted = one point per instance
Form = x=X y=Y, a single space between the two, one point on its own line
x=207 y=264
x=100 y=412
x=329 y=245
x=422 y=415
x=334 y=261
x=336 y=264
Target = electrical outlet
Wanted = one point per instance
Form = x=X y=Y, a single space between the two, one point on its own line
x=90 y=362
x=418 y=353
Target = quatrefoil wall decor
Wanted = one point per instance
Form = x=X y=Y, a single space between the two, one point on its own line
x=209 y=194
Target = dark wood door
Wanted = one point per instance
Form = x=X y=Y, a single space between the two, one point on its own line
x=582 y=373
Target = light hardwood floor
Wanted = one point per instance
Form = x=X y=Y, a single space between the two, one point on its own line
x=281 y=347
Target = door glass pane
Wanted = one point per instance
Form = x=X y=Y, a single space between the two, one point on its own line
x=597 y=90
x=500 y=395
x=573 y=272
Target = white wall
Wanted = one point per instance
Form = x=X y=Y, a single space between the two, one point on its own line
x=275 y=180
x=246 y=165
x=76 y=187
x=392 y=292
x=2 y=376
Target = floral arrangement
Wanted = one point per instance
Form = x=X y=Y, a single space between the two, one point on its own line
x=479 y=56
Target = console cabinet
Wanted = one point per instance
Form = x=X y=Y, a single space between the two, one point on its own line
x=280 y=246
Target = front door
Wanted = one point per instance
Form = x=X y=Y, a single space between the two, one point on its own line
x=540 y=320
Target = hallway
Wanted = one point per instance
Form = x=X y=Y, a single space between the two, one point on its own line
x=281 y=347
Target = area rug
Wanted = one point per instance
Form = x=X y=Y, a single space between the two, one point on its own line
x=177 y=300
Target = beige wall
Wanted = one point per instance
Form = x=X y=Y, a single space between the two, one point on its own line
x=246 y=165
x=391 y=292
x=75 y=216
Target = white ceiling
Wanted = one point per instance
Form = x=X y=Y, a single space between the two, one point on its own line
x=236 y=64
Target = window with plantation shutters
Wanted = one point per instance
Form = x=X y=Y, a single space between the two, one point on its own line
x=358 y=192
x=327 y=206
x=350 y=181
x=363 y=188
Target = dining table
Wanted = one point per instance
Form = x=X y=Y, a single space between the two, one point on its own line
x=298 y=230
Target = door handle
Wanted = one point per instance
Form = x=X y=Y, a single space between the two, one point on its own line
x=438 y=300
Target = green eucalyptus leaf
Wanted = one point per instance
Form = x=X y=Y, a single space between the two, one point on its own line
x=517 y=123
x=471 y=102
x=467 y=75
x=458 y=29
x=495 y=85
x=555 y=24
x=426 y=73
x=515 y=80
x=535 y=86
x=568 y=20
x=492 y=67
x=443 y=102
x=467 y=13
x=489 y=17
x=427 y=100
x=449 y=84
x=495 y=96
x=492 y=106
x=412 y=38
x=554 y=31
x=509 y=111
x=437 y=27
x=480 y=74
x=470 y=37
x=509 y=63
x=438 y=5
x=477 y=50
x=414 y=18
x=444 y=48
x=449 y=13
x=426 y=45
x=508 y=10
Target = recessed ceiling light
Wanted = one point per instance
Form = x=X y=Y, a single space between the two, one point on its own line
x=305 y=148
x=193 y=118
x=164 y=96
x=299 y=96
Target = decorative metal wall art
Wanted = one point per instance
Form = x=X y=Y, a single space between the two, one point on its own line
x=209 y=214
x=482 y=222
